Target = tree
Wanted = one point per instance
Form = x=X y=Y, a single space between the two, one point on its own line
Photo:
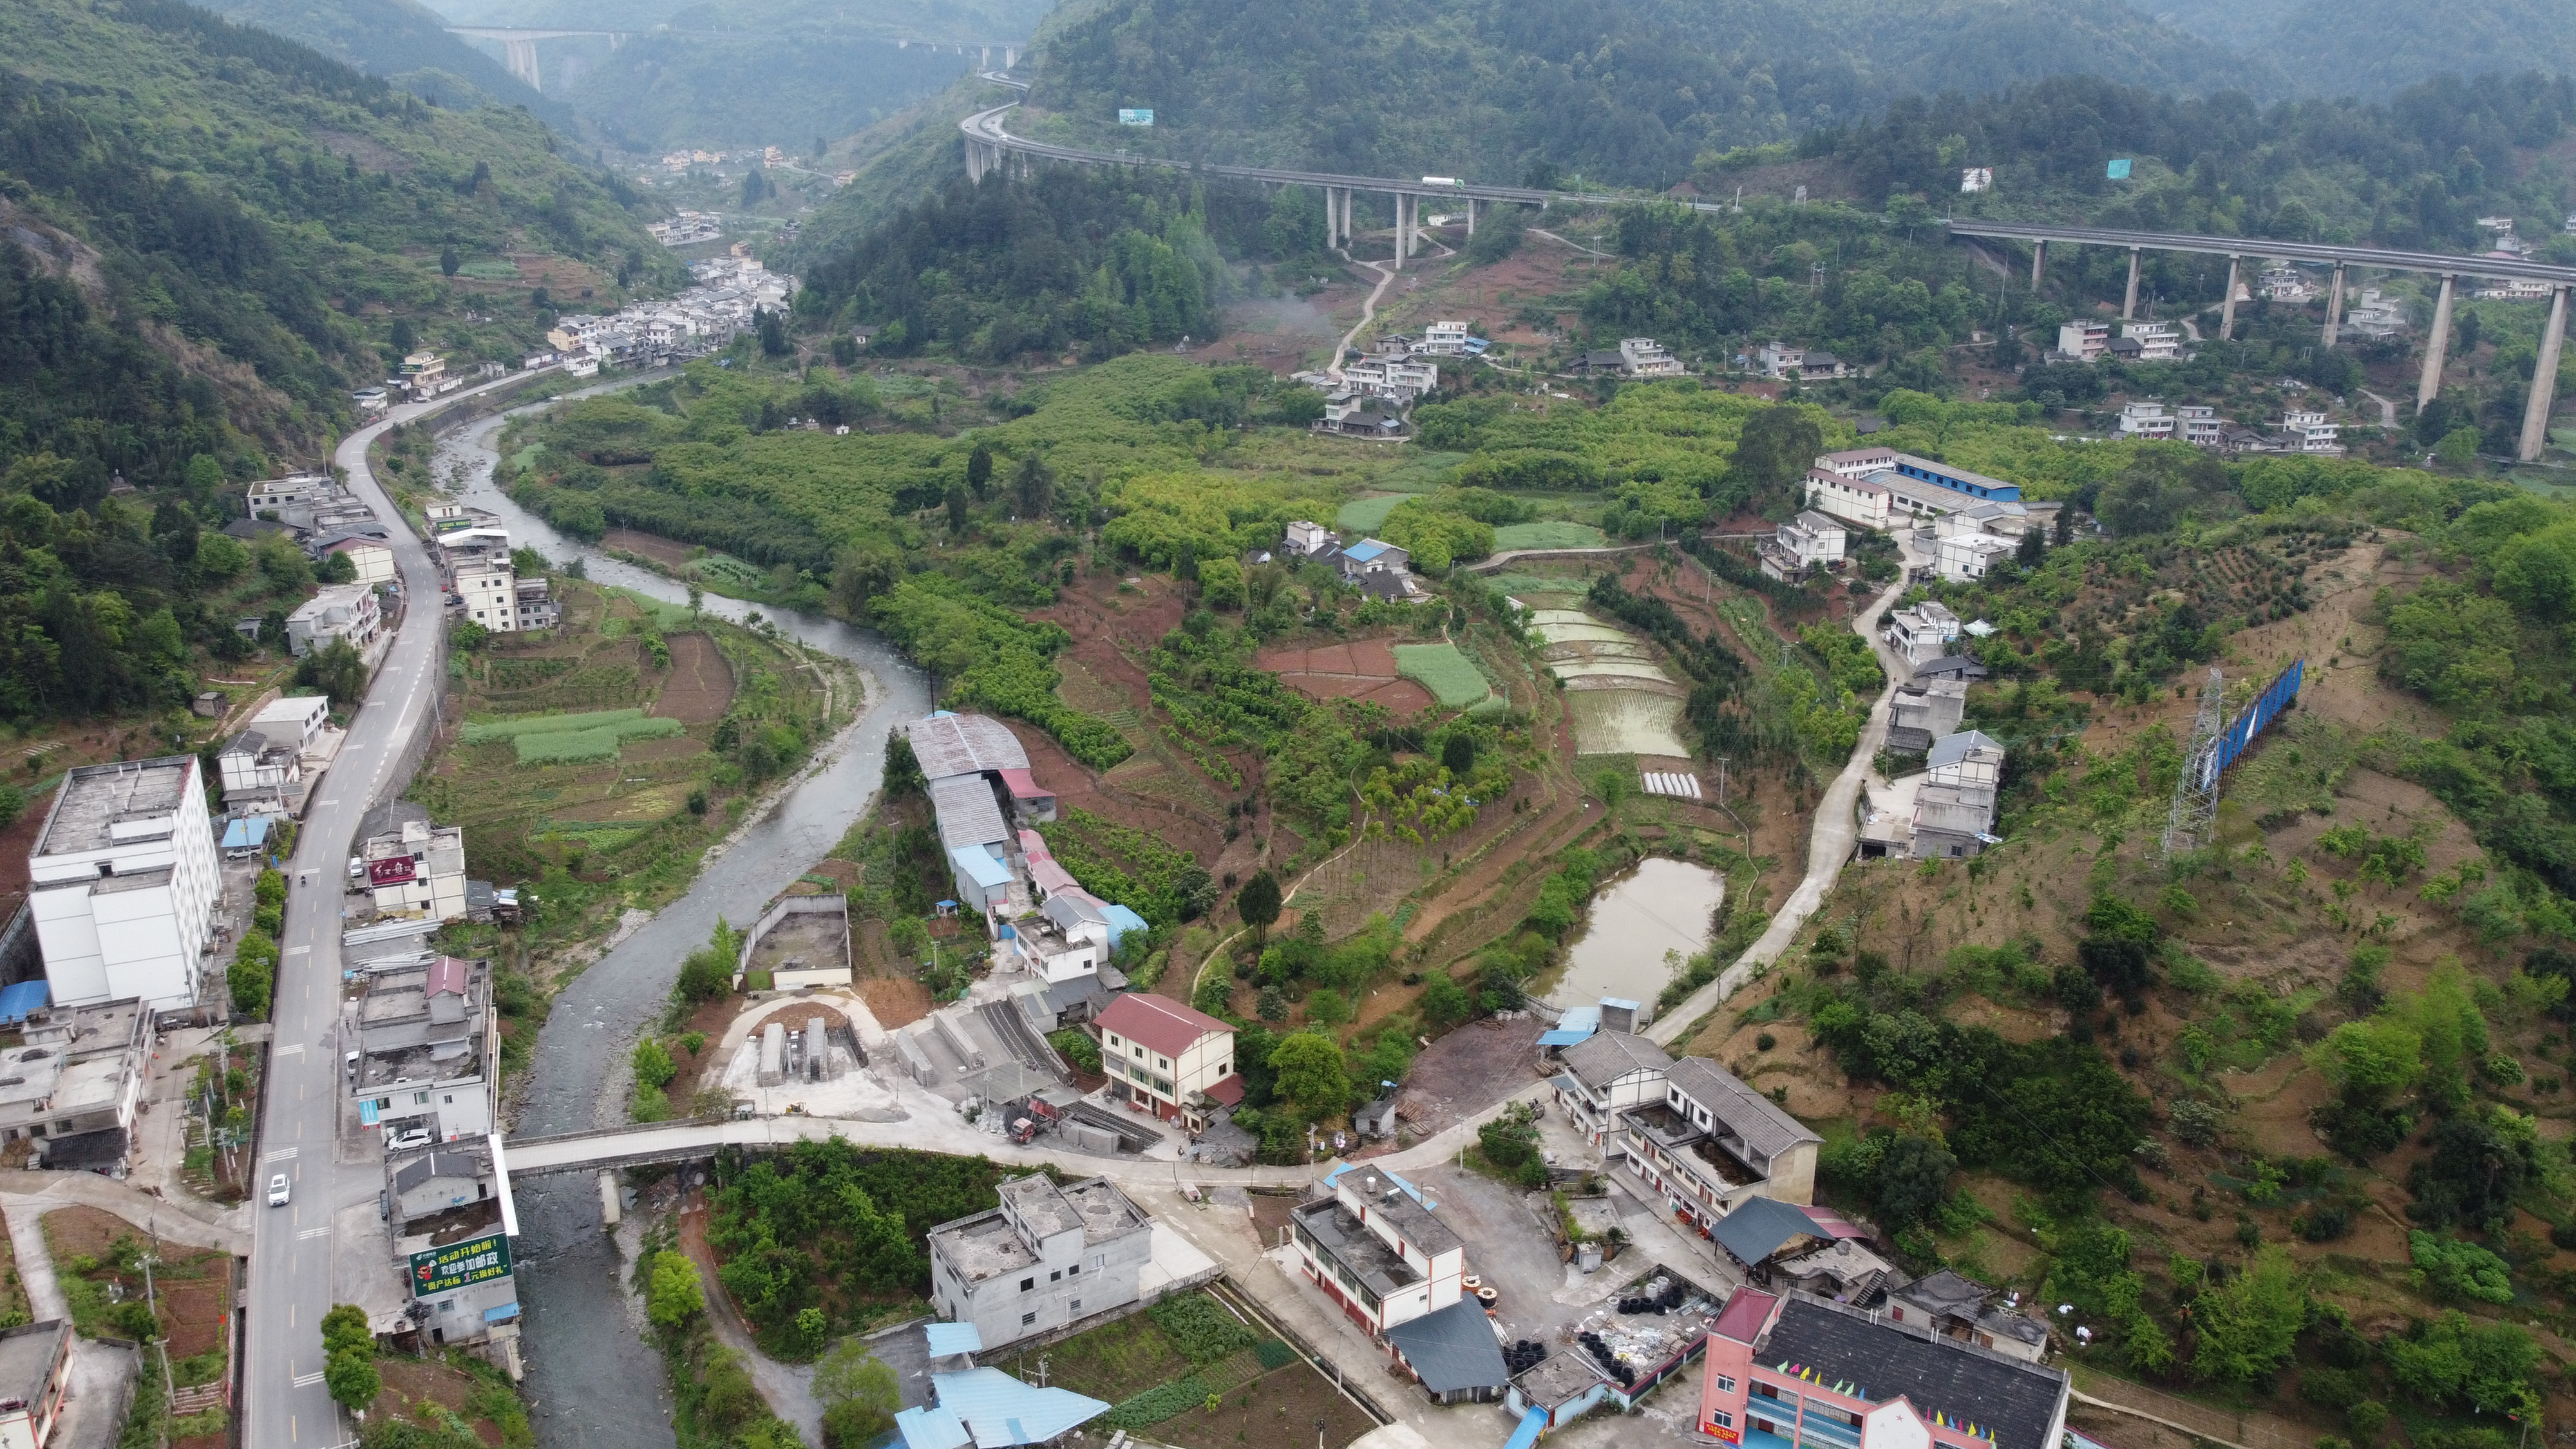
x=697 y=601
x=957 y=508
x=2458 y=1363
x=773 y=334
x=2249 y=1324
x=337 y=670
x=449 y=261
x=1777 y=447
x=2370 y=1061
x=849 y=1374
x=707 y=973
x=345 y=1328
x=1311 y=1074
x=674 y=1293
x=1913 y=1178
x=1033 y=487
x=337 y=568
x=349 y=1357
x=2472 y=1175
x=353 y=1380
x=1458 y=754
x=400 y=336
x=979 y=470
x=653 y=1064
x=2032 y=548
x=1258 y=902
x=1445 y=1003
x=2458 y=448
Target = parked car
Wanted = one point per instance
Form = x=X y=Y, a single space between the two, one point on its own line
x=407 y=1141
x=277 y=1190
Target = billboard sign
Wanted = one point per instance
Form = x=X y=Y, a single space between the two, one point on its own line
x=1135 y=116
x=1977 y=178
x=399 y=870
x=444 y=1270
x=2118 y=170
x=2267 y=706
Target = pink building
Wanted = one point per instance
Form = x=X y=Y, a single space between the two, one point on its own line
x=1795 y=1371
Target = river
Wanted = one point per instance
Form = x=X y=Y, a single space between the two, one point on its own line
x=1663 y=905
x=588 y=1370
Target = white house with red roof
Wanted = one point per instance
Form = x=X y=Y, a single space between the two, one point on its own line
x=1178 y=1062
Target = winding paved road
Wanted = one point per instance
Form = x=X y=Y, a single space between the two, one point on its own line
x=291 y=1284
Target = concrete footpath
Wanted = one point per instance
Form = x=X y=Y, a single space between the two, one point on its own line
x=102 y=1375
x=1831 y=836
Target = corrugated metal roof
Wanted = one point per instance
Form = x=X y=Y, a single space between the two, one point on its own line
x=999 y=1410
x=1951 y=749
x=1760 y=1228
x=964 y=744
x=930 y=1428
x=968 y=814
x=980 y=868
x=1533 y=1424
x=948 y=1338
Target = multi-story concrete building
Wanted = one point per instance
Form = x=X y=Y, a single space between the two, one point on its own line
x=1961 y=1308
x=1713 y=1142
x=372 y=562
x=2307 y=431
x=337 y=611
x=1176 y=1061
x=428 y=1046
x=1859 y=500
x=35 y=1379
x=2157 y=341
x=1954 y=807
x=123 y=884
x=1924 y=710
x=411 y=867
x=1857 y=462
x=1377 y=1250
x=2083 y=341
x=1796 y=1370
x=1802 y=545
x=1645 y=357
x=1965 y=557
x=1046 y=1257
x=2147 y=419
x=73 y=1083
x=1922 y=633
x=490 y=596
x=1605 y=1074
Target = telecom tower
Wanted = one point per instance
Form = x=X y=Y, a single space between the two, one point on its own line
x=2195 y=802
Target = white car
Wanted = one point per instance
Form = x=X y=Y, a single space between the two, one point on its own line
x=406 y=1141
x=277 y=1190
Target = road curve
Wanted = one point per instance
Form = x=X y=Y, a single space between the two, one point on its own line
x=291 y=1281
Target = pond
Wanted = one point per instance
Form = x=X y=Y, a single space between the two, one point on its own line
x=1662 y=905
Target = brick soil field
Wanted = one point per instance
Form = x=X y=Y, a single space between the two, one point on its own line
x=668 y=552
x=193 y=1286
x=1360 y=669
x=699 y=686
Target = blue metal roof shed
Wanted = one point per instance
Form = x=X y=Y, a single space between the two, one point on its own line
x=18 y=1000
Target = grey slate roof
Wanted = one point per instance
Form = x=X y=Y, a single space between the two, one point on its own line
x=964 y=744
x=2016 y=1401
x=1763 y=1124
x=1452 y=1349
x=1606 y=1056
x=435 y=1164
x=1951 y=749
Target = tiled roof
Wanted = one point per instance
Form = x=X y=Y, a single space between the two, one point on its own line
x=1951 y=749
x=1158 y=1022
x=1607 y=1056
x=1761 y=1123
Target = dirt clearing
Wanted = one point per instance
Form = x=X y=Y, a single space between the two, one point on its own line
x=699 y=688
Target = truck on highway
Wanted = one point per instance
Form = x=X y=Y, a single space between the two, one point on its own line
x=1450 y=181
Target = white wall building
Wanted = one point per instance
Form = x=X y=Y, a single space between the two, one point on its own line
x=2157 y=341
x=2084 y=341
x=2146 y=419
x=2309 y=432
x=1645 y=357
x=490 y=594
x=1444 y=339
x=124 y=883
x=1922 y=633
x=1964 y=558
x=339 y=611
x=411 y=867
x=1863 y=501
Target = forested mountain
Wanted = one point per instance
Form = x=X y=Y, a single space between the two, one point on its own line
x=1625 y=92
x=738 y=72
x=1099 y=261
x=214 y=231
x=401 y=40
x=2371 y=47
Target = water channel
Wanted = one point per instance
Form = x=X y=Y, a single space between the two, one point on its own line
x=1662 y=905
x=592 y=1381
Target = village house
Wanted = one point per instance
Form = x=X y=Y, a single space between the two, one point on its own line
x=337 y=611
x=1858 y=500
x=1791 y=1368
x=1177 y=1062
x=1606 y=1074
x=1045 y=1257
x=1712 y=1142
x=124 y=883
x=1804 y=544
x=1922 y=633
x=428 y=1045
x=1377 y=1250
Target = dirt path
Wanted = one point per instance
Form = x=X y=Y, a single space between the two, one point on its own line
x=789 y=1388
x=1368 y=313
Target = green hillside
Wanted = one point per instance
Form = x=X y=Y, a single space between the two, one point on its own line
x=2372 y=47
x=401 y=40
x=1626 y=92
x=222 y=230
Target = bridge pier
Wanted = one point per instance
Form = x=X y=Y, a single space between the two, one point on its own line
x=2038 y=260
x=2436 y=345
x=522 y=60
x=1471 y=218
x=2544 y=380
x=1010 y=57
x=608 y=1204
x=2227 y=307
x=2334 y=306
x=2129 y=306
